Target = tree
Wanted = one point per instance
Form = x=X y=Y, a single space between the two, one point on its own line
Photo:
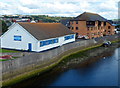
x=4 y=26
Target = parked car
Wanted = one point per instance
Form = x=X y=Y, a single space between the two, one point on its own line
x=106 y=43
x=82 y=37
x=117 y=31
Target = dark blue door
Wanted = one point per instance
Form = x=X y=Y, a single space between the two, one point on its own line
x=29 y=46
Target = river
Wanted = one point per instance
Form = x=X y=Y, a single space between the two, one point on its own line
x=102 y=71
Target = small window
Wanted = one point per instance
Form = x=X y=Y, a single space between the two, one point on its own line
x=91 y=28
x=48 y=42
x=76 y=28
x=17 y=38
x=99 y=23
x=104 y=23
x=109 y=27
x=88 y=28
x=55 y=40
x=76 y=22
x=77 y=34
x=41 y=44
x=68 y=37
x=44 y=43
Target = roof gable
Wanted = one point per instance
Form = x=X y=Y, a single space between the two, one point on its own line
x=43 y=31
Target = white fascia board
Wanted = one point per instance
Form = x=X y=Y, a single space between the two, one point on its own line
x=11 y=25
x=69 y=34
x=9 y=29
x=55 y=37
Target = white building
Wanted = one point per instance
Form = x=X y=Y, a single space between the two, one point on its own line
x=36 y=36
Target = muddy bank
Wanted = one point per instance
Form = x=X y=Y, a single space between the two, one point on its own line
x=89 y=56
x=81 y=59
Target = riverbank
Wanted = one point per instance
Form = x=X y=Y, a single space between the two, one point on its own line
x=37 y=72
x=93 y=56
x=88 y=56
x=40 y=69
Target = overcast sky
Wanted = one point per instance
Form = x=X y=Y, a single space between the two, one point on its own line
x=106 y=8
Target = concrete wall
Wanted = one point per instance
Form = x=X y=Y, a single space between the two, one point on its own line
x=27 y=63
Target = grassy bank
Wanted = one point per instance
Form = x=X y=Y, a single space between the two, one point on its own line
x=8 y=51
x=48 y=68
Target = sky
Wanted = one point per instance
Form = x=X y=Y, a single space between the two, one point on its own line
x=72 y=8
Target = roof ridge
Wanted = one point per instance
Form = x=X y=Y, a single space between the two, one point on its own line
x=88 y=16
x=91 y=13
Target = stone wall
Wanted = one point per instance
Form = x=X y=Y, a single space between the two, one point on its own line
x=29 y=61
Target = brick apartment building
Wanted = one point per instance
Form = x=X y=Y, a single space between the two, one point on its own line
x=91 y=25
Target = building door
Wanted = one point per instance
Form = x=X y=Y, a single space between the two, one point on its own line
x=29 y=46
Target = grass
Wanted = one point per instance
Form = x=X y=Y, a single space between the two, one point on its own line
x=3 y=59
x=8 y=51
x=115 y=41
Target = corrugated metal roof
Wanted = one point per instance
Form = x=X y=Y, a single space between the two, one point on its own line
x=43 y=31
x=86 y=16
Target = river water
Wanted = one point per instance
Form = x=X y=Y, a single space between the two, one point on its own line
x=101 y=72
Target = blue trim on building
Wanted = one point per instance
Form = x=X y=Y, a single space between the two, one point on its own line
x=48 y=42
x=68 y=37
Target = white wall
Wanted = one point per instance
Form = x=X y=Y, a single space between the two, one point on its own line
x=68 y=41
x=61 y=42
x=7 y=40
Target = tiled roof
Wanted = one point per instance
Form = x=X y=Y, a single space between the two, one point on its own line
x=86 y=16
x=43 y=31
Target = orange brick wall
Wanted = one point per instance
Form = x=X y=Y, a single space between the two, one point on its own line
x=111 y=30
x=82 y=29
x=92 y=32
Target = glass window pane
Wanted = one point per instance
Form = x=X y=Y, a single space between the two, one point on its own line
x=17 y=38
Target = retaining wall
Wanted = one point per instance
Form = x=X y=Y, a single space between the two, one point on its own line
x=15 y=67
